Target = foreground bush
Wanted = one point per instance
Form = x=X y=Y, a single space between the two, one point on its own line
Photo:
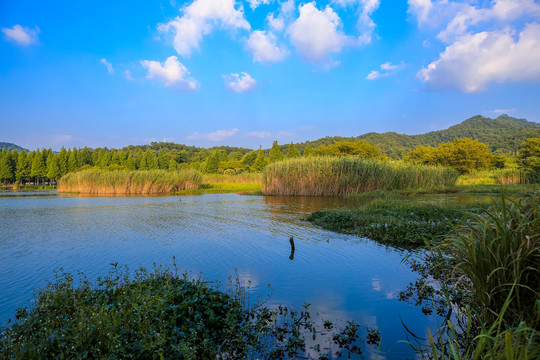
x=160 y=315
x=320 y=176
x=95 y=181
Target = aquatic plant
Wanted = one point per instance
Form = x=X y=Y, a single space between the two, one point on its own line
x=162 y=315
x=321 y=176
x=96 y=181
x=395 y=221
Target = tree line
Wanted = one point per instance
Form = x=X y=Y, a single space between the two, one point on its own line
x=45 y=166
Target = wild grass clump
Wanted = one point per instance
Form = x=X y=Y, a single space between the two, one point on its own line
x=320 y=176
x=161 y=315
x=497 y=254
x=101 y=182
x=396 y=222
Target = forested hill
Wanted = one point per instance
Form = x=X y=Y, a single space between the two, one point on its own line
x=11 y=146
x=504 y=134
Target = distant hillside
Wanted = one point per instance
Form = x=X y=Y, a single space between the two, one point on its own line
x=11 y=146
x=504 y=134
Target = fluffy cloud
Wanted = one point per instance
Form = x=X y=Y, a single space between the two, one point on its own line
x=255 y=3
x=475 y=60
x=364 y=9
x=276 y=23
x=108 y=65
x=316 y=34
x=200 y=18
x=239 y=83
x=215 y=136
x=264 y=49
x=171 y=72
x=387 y=69
x=22 y=35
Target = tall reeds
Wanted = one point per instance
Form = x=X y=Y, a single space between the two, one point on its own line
x=319 y=176
x=98 y=182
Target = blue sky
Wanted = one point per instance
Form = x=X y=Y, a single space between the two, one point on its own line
x=245 y=73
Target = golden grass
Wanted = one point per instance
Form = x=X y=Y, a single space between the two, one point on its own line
x=320 y=176
x=129 y=182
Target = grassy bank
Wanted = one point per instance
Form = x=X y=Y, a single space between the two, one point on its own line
x=330 y=176
x=243 y=188
x=98 y=182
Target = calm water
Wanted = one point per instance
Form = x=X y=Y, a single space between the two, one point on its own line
x=343 y=277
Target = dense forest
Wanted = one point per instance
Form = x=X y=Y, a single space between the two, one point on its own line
x=477 y=143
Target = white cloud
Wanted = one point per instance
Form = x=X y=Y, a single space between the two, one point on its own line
x=239 y=83
x=108 y=65
x=387 y=70
x=172 y=72
x=476 y=60
x=255 y=3
x=215 y=136
x=264 y=49
x=316 y=34
x=365 y=25
x=259 y=134
x=22 y=35
x=200 y=18
x=276 y=23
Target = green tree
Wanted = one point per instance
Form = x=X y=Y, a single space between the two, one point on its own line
x=53 y=168
x=249 y=158
x=352 y=148
x=162 y=159
x=7 y=172
x=85 y=157
x=63 y=160
x=130 y=163
x=22 y=172
x=308 y=151
x=72 y=162
x=260 y=161
x=292 y=152
x=275 y=153
x=529 y=158
x=39 y=170
x=212 y=163
x=173 y=165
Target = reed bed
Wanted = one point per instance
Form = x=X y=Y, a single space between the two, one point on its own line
x=495 y=177
x=129 y=182
x=331 y=176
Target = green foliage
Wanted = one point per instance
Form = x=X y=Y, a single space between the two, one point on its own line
x=160 y=315
x=395 y=222
x=53 y=169
x=464 y=155
x=275 y=153
x=11 y=146
x=212 y=163
x=497 y=257
x=348 y=148
x=39 y=170
x=292 y=152
x=260 y=162
x=7 y=170
x=249 y=158
x=320 y=176
x=529 y=158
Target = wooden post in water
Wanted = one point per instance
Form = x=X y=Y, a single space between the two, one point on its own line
x=291 y=240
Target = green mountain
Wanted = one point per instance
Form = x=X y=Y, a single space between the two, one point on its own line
x=11 y=146
x=504 y=134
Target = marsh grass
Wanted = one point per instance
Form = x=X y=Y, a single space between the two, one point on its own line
x=162 y=315
x=330 y=176
x=494 y=177
x=395 y=221
x=236 y=178
x=98 y=182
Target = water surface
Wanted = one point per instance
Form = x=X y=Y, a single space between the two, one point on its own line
x=343 y=277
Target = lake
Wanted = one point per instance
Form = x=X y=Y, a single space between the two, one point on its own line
x=343 y=277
